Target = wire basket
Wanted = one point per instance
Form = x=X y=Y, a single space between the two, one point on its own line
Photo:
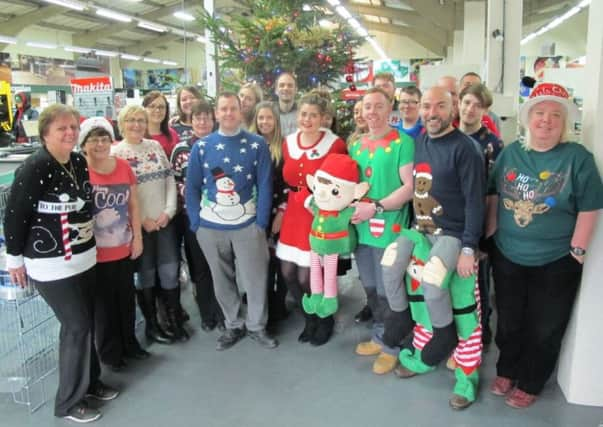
x=28 y=350
x=4 y=193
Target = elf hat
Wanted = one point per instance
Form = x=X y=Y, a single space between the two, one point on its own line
x=548 y=92
x=339 y=168
x=92 y=123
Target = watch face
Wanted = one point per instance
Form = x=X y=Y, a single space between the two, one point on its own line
x=578 y=251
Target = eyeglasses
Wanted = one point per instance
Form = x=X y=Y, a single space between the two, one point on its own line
x=136 y=121
x=202 y=118
x=99 y=140
x=156 y=107
x=409 y=102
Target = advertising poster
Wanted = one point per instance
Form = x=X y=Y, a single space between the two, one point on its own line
x=37 y=70
x=5 y=73
x=415 y=67
x=93 y=96
x=400 y=69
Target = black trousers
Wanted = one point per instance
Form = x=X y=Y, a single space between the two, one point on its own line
x=199 y=271
x=72 y=300
x=114 y=311
x=534 y=307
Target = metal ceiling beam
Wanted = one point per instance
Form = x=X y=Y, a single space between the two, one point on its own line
x=89 y=38
x=421 y=38
x=412 y=19
x=15 y=25
x=437 y=14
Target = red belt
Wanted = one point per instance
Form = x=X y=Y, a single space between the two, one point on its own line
x=329 y=236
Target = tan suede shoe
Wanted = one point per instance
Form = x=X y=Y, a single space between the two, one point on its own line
x=385 y=363
x=368 y=348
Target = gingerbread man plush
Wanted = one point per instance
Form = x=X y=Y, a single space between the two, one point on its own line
x=334 y=186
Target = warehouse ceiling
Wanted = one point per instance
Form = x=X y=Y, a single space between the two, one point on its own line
x=430 y=23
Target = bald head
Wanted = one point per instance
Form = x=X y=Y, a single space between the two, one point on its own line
x=437 y=111
x=450 y=84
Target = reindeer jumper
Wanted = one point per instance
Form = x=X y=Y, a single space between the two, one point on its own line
x=539 y=196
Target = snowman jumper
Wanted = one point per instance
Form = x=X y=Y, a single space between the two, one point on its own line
x=294 y=242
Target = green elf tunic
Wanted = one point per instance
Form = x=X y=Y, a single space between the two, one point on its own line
x=332 y=232
x=380 y=161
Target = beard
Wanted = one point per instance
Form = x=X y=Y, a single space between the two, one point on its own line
x=439 y=126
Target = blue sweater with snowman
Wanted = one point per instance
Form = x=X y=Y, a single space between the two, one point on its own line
x=229 y=182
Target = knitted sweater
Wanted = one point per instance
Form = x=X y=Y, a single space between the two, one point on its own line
x=156 y=186
x=229 y=182
x=48 y=222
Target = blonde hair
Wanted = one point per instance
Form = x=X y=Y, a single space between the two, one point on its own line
x=526 y=142
x=129 y=110
x=256 y=89
x=275 y=145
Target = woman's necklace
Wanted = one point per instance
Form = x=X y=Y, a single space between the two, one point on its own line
x=71 y=173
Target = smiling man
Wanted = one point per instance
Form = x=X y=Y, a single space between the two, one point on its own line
x=228 y=200
x=286 y=89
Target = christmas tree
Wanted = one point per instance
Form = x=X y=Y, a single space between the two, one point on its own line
x=273 y=36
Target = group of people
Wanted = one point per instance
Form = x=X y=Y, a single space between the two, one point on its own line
x=446 y=205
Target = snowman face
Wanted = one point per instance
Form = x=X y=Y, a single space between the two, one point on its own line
x=225 y=184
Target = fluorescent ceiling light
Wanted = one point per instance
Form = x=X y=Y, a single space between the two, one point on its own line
x=333 y=2
x=306 y=8
x=67 y=66
x=113 y=15
x=69 y=4
x=377 y=48
x=151 y=26
x=151 y=60
x=184 y=16
x=77 y=49
x=170 y=63
x=362 y=32
x=343 y=12
x=42 y=45
x=8 y=40
x=201 y=39
x=108 y=53
x=556 y=22
x=130 y=57
x=354 y=23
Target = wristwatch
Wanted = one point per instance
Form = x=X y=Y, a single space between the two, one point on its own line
x=467 y=251
x=378 y=207
x=578 y=251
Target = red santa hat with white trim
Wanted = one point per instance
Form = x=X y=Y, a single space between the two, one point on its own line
x=422 y=170
x=549 y=92
x=339 y=168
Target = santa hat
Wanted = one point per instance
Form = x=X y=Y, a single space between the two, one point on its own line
x=548 y=92
x=339 y=168
x=92 y=123
x=422 y=170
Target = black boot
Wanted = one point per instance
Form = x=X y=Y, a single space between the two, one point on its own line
x=309 y=328
x=153 y=332
x=323 y=331
x=174 y=315
x=183 y=314
x=440 y=346
x=397 y=325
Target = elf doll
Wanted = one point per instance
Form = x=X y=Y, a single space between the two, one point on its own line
x=334 y=186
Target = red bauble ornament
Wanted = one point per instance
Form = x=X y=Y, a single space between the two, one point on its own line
x=328 y=58
x=349 y=78
x=279 y=42
x=353 y=88
x=268 y=83
x=320 y=56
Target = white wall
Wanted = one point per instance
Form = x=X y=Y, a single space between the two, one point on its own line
x=396 y=47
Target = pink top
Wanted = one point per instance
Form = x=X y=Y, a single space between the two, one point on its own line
x=111 y=199
x=165 y=143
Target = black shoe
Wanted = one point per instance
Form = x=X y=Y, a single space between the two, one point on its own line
x=323 y=332
x=263 y=339
x=153 y=331
x=174 y=315
x=364 y=315
x=229 y=338
x=102 y=392
x=138 y=354
x=309 y=328
x=208 y=326
x=81 y=413
x=221 y=327
x=118 y=366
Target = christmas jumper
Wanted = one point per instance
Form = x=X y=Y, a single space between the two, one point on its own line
x=294 y=241
x=229 y=182
x=490 y=144
x=539 y=197
x=380 y=161
x=185 y=132
x=179 y=160
x=446 y=167
x=166 y=143
x=156 y=186
x=48 y=222
x=111 y=199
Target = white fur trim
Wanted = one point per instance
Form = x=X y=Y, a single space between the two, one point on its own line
x=424 y=175
x=322 y=148
x=293 y=254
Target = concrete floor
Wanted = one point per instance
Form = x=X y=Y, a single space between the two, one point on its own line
x=297 y=385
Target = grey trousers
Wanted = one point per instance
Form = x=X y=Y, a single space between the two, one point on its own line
x=447 y=249
x=241 y=253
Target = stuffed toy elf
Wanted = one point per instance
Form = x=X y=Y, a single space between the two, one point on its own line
x=334 y=186
x=417 y=355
